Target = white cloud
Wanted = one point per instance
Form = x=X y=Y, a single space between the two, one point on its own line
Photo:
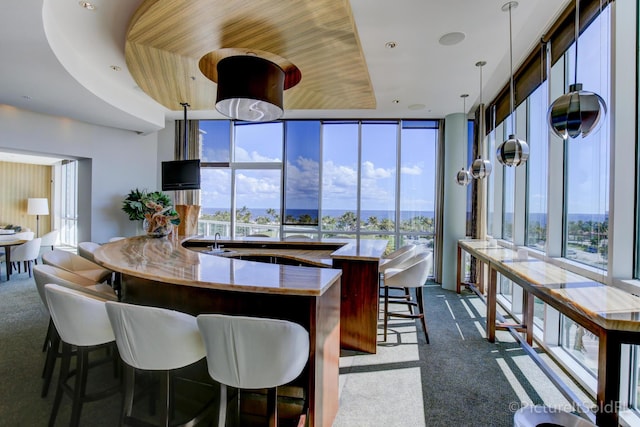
x=243 y=155
x=411 y=170
x=370 y=171
x=302 y=182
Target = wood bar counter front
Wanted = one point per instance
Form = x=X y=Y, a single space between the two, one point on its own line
x=163 y=273
x=359 y=261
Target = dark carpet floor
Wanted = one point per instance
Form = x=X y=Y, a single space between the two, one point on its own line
x=459 y=379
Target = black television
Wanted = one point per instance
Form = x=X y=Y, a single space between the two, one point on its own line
x=181 y=175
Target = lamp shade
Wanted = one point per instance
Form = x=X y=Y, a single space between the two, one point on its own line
x=463 y=177
x=481 y=168
x=250 y=88
x=576 y=113
x=513 y=151
x=37 y=206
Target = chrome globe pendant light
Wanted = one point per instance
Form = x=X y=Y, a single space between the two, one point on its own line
x=463 y=177
x=578 y=112
x=480 y=168
x=513 y=151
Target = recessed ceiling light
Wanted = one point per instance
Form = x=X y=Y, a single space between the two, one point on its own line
x=87 y=5
x=390 y=45
x=450 y=39
x=416 y=106
x=115 y=67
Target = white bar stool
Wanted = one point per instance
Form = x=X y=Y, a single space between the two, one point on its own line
x=253 y=353
x=413 y=275
x=157 y=340
x=82 y=322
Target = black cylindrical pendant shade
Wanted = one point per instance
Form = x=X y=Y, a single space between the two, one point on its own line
x=250 y=88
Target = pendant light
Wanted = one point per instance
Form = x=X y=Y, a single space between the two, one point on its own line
x=250 y=88
x=463 y=177
x=513 y=151
x=578 y=112
x=480 y=168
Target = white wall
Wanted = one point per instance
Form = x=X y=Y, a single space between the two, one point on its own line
x=120 y=161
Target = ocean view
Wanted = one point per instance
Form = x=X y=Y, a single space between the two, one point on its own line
x=336 y=213
x=541 y=218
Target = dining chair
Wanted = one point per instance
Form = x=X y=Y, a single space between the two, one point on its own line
x=26 y=254
x=49 y=240
x=158 y=341
x=83 y=325
x=414 y=274
x=253 y=353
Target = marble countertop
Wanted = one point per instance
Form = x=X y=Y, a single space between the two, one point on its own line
x=166 y=260
x=606 y=306
x=319 y=258
x=309 y=250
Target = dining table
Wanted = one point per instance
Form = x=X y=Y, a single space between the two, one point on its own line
x=7 y=245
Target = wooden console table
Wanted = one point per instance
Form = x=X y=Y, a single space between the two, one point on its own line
x=610 y=313
x=161 y=272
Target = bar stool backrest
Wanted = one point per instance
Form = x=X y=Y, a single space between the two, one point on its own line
x=153 y=338
x=253 y=353
x=86 y=249
x=80 y=319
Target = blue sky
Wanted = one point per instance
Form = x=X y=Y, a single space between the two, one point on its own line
x=260 y=188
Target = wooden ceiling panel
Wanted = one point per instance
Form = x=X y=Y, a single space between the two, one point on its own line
x=166 y=40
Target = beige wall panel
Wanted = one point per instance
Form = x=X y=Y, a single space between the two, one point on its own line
x=18 y=182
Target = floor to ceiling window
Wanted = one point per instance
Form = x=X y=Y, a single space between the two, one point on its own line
x=587 y=161
x=572 y=195
x=340 y=177
x=68 y=190
x=347 y=178
x=536 y=204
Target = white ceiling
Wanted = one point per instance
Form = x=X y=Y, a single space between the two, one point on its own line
x=57 y=58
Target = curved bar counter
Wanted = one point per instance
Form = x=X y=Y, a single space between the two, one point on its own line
x=359 y=261
x=163 y=273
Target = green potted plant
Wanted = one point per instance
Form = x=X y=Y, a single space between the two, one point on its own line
x=154 y=209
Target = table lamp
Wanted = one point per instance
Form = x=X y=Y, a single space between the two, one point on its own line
x=37 y=207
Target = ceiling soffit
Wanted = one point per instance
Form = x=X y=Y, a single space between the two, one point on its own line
x=166 y=40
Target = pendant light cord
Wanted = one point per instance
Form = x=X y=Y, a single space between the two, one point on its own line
x=480 y=66
x=511 y=100
x=577 y=35
x=185 y=143
x=464 y=128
